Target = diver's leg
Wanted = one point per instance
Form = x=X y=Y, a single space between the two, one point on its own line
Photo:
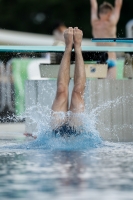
x=77 y=101
x=60 y=103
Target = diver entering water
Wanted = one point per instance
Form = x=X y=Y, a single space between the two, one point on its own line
x=67 y=124
x=104 y=25
x=65 y=120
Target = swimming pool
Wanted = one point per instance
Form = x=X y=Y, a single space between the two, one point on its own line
x=102 y=171
x=83 y=167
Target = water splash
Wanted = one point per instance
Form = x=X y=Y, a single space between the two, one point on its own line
x=40 y=118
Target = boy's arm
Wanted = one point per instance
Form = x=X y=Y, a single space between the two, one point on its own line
x=94 y=10
x=116 y=14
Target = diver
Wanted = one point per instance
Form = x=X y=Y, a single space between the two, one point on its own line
x=65 y=120
x=62 y=122
x=104 y=25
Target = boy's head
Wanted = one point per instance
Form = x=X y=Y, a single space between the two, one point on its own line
x=105 y=11
x=59 y=26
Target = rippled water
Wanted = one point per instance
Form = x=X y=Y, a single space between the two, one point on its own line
x=104 y=171
x=76 y=168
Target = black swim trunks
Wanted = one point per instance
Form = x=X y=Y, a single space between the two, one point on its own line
x=65 y=131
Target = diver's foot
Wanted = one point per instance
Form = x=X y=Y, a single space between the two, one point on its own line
x=68 y=36
x=77 y=38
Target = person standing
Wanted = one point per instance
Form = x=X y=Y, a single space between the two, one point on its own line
x=104 y=25
x=58 y=33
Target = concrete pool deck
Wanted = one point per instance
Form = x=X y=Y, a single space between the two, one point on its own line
x=12 y=130
x=15 y=132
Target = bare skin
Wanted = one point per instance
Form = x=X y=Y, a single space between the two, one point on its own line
x=60 y=103
x=77 y=101
x=59 y=34
x=105 y=26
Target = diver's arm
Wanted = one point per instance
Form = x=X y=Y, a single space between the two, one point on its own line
x=94 y=10
x=117 y=9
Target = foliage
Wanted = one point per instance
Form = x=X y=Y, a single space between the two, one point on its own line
x=21 y=15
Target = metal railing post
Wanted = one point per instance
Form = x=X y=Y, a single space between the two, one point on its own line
x=3 y=87
x=9 y=88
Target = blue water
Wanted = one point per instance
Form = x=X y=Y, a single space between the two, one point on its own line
x=102 y=172
x=75 y=168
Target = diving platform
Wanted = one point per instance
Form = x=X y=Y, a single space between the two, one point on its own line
x=59 y=49
x=116 y=40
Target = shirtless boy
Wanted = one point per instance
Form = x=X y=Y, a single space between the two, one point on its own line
x=105 y=26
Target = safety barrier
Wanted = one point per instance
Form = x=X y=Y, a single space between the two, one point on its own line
x=59 y=49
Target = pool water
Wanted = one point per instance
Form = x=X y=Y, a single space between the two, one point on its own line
x=78 y=167
x=103 y=170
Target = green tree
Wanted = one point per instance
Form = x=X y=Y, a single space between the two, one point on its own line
x=38 y=16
